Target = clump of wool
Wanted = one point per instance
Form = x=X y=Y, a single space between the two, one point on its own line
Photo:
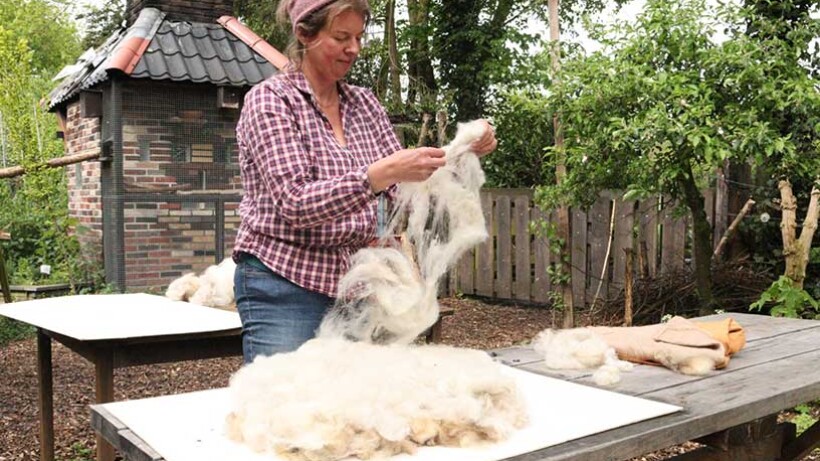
x=333 y=398
x=389 y=294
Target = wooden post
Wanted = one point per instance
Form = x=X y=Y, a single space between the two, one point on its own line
x=13 y=171
x=628 y=276
x=104 y=365
x=46 y=396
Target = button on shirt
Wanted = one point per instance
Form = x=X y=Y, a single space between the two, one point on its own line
x=307 y=204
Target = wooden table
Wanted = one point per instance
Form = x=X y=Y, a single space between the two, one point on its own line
x=732 y=411
x=113 y=331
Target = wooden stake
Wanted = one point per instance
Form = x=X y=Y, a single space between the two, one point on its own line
x=628 y=276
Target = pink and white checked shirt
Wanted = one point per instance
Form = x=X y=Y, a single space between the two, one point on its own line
x=307 y=205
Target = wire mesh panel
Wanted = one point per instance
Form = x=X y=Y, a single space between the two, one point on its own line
x=180 y=177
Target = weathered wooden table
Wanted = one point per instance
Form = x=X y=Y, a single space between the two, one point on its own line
x=733 y=411
x=113 y=331
x=40 y=291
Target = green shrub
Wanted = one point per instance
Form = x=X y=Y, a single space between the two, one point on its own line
x=12 y=330
x=523 y=126
x=786 y=300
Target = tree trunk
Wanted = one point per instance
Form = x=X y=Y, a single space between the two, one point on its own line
x=564 y=223
x=420 y=69
x=702 y=242
x=393 y=53
x=796 y=250
x=384 y=67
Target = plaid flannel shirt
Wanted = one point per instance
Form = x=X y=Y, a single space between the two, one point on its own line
x=307 y=204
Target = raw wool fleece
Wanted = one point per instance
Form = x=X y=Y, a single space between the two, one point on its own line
x=580 y=349
x=389 y=295
x=679 y=345
x=332 y=399
x=213 y=288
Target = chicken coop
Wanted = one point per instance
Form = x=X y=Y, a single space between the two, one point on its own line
x=159 y=102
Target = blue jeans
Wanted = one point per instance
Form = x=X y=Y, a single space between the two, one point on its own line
x=277 y=315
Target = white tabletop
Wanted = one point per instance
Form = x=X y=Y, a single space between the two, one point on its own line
x=119 y=316
x=189 y=427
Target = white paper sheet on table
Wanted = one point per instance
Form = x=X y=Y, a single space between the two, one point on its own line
x=119 y=316
x=189 y=427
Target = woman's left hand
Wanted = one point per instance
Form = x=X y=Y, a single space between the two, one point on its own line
x=487 y=143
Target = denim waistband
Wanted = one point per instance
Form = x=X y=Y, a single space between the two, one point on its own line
x=253 y=261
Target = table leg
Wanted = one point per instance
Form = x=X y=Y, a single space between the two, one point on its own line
x=104 y=365
x=46 y=397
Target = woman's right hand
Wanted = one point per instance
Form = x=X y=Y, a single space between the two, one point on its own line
x=406 y=165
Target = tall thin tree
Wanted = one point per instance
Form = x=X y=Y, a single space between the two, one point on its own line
x=564 y=230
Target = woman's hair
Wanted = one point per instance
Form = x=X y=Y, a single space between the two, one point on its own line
x=314 y=22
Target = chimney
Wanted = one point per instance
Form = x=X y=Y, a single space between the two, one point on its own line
x=207 y=11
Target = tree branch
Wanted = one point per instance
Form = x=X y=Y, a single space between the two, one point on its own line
x=730 y=232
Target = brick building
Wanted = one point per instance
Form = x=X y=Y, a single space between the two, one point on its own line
x=159 y=101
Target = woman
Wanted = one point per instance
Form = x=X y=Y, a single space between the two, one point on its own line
x=315 y=153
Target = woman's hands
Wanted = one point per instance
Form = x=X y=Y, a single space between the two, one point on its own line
x=406 y=165
x=413 y=165
x=487 y=143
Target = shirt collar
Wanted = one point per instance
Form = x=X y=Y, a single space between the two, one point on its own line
x=298 y=79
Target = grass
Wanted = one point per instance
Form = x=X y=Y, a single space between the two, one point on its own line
x=80 y=452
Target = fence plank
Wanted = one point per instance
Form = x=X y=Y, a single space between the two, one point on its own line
x=485 y=253
x=622 y=238
x=541 y=253
x=503 y=285
x=578 y=254
x=721 y=208
x=674 y=240
x=599 y=218
x=521 y=230
x=466 y=273
x=648 y=231
x=709 y=205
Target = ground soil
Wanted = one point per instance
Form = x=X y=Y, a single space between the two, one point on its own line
x=473 y=324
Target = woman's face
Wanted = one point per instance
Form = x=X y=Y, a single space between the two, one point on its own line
x=334 y=49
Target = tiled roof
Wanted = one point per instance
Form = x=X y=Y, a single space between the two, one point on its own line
x=159 y=49
x=201 y=53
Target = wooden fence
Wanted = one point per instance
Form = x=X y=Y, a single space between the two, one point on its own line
x=513 y=263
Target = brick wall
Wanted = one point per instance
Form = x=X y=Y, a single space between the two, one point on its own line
x=82 y=135
x=176 y=143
